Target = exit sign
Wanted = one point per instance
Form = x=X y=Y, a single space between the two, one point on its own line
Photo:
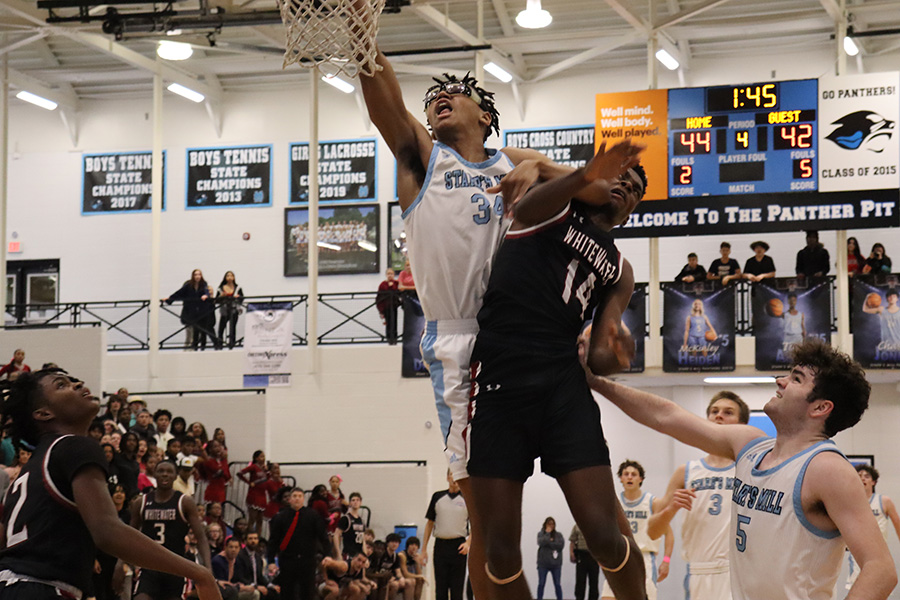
x=14 y=247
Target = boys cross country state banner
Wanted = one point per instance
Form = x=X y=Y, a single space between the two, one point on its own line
x=268 y=336
x=876 y=321
x=786 y=311
x=698 y=327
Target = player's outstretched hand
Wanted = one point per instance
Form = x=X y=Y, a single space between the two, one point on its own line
x=612 y=163
x=514 y=185
x=684 y=498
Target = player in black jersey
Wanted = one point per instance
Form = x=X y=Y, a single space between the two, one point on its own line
x=165 y=516
x=530 y=397
x=60 y=507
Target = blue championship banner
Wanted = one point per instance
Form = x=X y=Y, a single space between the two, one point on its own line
x=347 y=171
x=698 y=327
x=116 y=183
x=226 y=177
x=785 y=312
x=876 y=321
x=413 y=326
x=635 y=318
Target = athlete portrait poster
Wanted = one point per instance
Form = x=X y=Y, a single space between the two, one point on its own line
x=347 y=240
x=698 y=327
x=785 y=312
x=876 y=321
x=413 y=326
x=635 y=318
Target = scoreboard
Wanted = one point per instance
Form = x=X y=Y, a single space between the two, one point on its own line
x=743 y=139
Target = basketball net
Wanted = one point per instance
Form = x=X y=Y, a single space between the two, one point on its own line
x=340 y=33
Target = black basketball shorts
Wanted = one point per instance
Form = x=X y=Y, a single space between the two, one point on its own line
x=159 y=586
x=526 y=406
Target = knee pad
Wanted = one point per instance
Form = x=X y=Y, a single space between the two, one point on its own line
x=499 y=581
x=624 y=561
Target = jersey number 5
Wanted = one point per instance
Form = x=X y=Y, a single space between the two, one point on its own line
x=741 y=541
x=583 y=292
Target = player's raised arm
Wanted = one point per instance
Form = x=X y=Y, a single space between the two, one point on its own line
x=667 y=417
x=675 y=499
x=832 y=483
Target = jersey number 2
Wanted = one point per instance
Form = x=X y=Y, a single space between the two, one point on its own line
x=18 y=537
x=583 y=292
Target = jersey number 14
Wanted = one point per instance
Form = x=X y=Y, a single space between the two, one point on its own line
x=583 y=291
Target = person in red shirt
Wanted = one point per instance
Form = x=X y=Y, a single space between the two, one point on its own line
x=274 y=488
x=387 y=301
x=255 y=476
x=215 y=471
x=16 y=365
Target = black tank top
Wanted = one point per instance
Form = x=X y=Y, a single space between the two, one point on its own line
x=164 y=522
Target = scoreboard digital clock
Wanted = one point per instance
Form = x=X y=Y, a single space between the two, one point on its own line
x=743 y=139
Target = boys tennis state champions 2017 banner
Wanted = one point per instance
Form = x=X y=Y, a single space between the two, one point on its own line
x=120 y=182
x=785 y=312
x=698 y=327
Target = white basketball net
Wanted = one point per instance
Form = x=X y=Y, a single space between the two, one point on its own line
x=338 y=32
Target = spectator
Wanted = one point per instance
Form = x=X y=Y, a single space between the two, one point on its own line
x=239 y=529
x=112 y=472
x=760 y=266
x=113 y=406
x=194 y=294
x=878 y=261
x=96 y=430
x=549 y=557
x=178 y=427
x=692 y=271
x=189 y=448
x=141 y=452
x=219 y=436
x=318 y=501
x=15 y=366
x=162 y=418
x=215 y=471
x=275 y=489
x=387 y=301
x=250 y=567
x=23 y=455
x=123 y=422
x=127 y=464
x=144 y=428
x=855 y=260
x=813 y=260
x=185 y=481
x=587 y=570
x=413 y=568
x=390 y=565
x=198 y=431
x=147 y=477
x=297 y=534
x=173 y=449
x=115 y=438
x=136 y=404
x=725 y=268
x=337 y=503
x=405 y=281
x=214 y=511
x=122 y=393
x=215 y=535
x=229 y=297
x=350 y=540
x=223 y=567
x=255 y=476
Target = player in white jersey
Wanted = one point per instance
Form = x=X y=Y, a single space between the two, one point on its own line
x=796 y=499
x=448 y=187
x=794 y=324
x=883 y=509
x=703 y=487
x=638 y=506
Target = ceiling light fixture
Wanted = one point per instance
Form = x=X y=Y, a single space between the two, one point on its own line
x=534 y=17
x=850 y=46
x=739 y=380
x=37 y=100
x=169 y=50
x=498 y=72
x=335 y=81
x=177 y=88
x=667 y=59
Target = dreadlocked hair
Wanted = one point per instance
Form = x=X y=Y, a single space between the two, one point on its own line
x=487 y=99
x=18 y=400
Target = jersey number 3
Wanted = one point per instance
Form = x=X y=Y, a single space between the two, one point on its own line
x=583 y=292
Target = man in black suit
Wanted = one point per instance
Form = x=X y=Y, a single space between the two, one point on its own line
x=297 y=534
x=250 y=570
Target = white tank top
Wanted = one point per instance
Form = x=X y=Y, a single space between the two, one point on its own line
x=705 y=532
x=638 y=514
x=793 y=324
x=777 y=552
x=877 y=506
x=453 y=230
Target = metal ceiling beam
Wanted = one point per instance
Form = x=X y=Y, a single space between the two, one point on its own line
x=454 y=30
x=68 y=115
x=36 y=86
x=690 y=13
x=632 y=19
x=38 y=36
x=833 y=10
x=581 y=57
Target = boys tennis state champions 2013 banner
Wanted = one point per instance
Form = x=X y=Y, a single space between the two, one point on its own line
x=698 y=327
x=227 y=177
x=785 y=312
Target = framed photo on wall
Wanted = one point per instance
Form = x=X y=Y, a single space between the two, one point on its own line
x=861 y=459
x=396 y=238
x=348 y=239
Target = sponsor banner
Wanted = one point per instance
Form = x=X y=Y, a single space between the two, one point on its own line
x=763 y=213
x=347 y=171
x=268 y=334
x=120 y=182
x=785 y=312
x=348 y=240
x=642 y=116
x=698 y=327
x=876 y=321
x=635 y=318
x=413 y=326
x=225 y=177
x=859 y=140
x=571 y=146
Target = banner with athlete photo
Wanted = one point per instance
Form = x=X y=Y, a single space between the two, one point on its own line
x=875 y=319
x=413 y=326
x=348 y=240
x=226 y=177
x=268 y=334
x=117 y=183
x=698 y=327
x=396 y=238
x=347 y=171
x=635 y=318
x=572 y=146
x=786 y=311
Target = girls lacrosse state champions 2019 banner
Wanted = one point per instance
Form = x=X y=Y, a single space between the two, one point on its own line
x=785 y=312
x=698 y=327
x=876 y=321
